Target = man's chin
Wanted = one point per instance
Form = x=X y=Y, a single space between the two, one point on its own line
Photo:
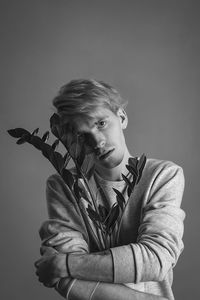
x=108 y=163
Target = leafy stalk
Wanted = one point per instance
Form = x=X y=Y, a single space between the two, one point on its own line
x=95 y=207
x=61 y=133
x=59 y=163
x=103 y=220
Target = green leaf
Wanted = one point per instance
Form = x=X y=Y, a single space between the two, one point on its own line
x=59 y=160
x=134 y=180
x=68 y=178
x=93 y=214
x=79 y=192
x=129 y=184
x=90 y=172
x=135 y=174
x=112 y=217
x=37 y=142
x=103 y=212
x=66 y=158
x=133 y=161
x=45 y=136
x=35 y=131
x=120 y=198
x=18 y=132
x=132 y=170
x=55 y=144
x=52 y=159
x=129 y=191
x=140 y=161
x=55 y=125
x=55 y=131
x=81 y=156
x=127 y=181
x=76 y=190
x=25 y=138
x=47 y=150
x=83 y=195
x=141 y=165
x=54 y=120
x=21 y=141
x=79 y=174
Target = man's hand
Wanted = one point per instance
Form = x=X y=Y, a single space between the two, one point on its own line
x=51 y=266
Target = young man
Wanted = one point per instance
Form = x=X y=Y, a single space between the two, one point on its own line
x=139 y=264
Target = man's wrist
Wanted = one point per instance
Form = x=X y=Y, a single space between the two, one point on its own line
x=74 y=263
x=60 y=264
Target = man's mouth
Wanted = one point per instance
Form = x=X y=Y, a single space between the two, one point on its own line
x=105 y=155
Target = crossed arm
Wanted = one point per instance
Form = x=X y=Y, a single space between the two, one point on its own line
x=52 y=271
x=158 y=246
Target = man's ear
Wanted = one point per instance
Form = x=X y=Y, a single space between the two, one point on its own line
x=123 y=117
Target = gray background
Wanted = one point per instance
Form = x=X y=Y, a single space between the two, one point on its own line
x=150 y=51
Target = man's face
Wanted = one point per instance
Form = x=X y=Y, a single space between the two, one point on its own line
x=102 y=134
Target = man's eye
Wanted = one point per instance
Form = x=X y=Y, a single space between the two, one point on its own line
x=101 y=123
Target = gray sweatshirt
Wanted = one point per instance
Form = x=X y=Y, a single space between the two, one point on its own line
x=150 y=232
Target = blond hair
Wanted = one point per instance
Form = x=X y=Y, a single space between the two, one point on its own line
x=82 y=96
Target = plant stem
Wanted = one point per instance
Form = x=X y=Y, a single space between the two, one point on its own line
x=82 y=213
x=100 y=237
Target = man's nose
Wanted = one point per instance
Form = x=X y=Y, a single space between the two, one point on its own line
x=99 y=141
x=100 y=144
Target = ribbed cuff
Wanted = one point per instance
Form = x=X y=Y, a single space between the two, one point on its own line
x=92 y=294
x=81 y=289
x=70 y=288
x=63 y=285
x=124 y=265
x=67 y=266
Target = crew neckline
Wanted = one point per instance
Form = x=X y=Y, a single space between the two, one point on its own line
x=105 y=182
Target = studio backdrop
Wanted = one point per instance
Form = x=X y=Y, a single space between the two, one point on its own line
x=149 y=51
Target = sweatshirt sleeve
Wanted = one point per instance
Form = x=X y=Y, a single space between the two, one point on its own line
x=64 y=216
x=63 y=211
x=159 y=242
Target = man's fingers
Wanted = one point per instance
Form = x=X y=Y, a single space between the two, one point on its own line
x=50 y=284
x=56 y=242
x=45 y=250
x=46 y=282
x=75 y=245
x=45 y=241
x=38 y=262
x=71 y=233
x=75 y=241
x=68 y=242
x=60 y=236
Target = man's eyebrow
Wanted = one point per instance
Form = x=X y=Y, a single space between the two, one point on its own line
x=102 y=117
